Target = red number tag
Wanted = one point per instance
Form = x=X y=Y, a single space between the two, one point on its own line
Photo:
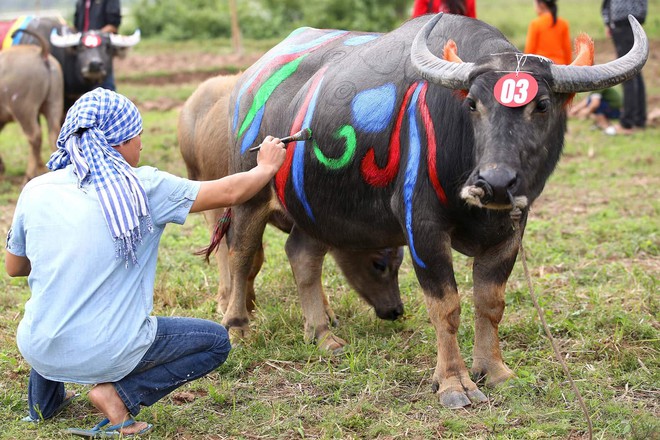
x=515 y=89
x=92 y=41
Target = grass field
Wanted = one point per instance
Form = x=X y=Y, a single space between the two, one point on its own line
x=593 y=248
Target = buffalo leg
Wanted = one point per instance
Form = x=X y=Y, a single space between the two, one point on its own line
x=224 y=274
x=52 y=111
x=244 y=238
x=490 y=273
x=32 y=129
x=451 y=380
x=306 y=258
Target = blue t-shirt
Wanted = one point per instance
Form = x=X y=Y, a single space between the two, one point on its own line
x=88 y=318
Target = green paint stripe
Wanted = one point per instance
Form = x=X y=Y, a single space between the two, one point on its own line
x=348 y=133
x=267 y=89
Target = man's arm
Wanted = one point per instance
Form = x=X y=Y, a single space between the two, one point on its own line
x=17 y=266
x=240 y=187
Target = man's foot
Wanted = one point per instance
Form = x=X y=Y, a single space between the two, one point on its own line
x=105 y=398
x=613 y=130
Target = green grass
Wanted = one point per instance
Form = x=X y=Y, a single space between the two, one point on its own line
x=592 y=245
x=593 y=250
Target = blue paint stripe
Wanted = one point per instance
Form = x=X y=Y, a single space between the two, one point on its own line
x=298 y=165
x=17 y=39
x=252 y=132
x=412 y=167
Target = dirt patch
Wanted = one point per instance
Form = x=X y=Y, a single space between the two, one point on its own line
x=179 y=67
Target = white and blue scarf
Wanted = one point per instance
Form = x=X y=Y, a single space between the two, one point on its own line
x=97 y=121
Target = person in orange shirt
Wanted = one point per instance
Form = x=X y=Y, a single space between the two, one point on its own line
x=549 y=35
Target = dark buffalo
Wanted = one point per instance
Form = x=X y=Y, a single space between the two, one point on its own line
x=203 y=134
x=412 y=145
x=85 y=57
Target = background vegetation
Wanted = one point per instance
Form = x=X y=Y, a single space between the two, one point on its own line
x=593 y=248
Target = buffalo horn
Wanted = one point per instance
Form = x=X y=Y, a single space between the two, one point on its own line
x=66 y=40
x=573 y=79
x=436 y=70
x=125 y=40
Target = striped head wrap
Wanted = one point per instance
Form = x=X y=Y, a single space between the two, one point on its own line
x=97 y=121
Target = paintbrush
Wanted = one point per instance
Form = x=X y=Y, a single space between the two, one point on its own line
x=302 y=135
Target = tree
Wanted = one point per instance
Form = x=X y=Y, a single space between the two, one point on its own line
x=235 y=29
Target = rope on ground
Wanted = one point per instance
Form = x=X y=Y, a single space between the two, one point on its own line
x=558 y=355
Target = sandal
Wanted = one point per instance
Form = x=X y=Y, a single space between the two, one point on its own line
x=99 y=431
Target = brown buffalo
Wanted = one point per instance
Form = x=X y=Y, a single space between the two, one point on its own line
x=204 y=141
x=31 y=84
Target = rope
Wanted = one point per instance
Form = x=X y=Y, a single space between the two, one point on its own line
x=558 y=355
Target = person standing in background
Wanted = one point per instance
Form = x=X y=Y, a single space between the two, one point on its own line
x=615 y=15
x=460 y=7
x=549 y=35
x=102 y=16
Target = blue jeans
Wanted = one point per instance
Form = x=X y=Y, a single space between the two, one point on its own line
x=185 y=349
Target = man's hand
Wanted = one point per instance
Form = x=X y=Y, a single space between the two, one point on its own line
x=271 y=154
x=237 y=188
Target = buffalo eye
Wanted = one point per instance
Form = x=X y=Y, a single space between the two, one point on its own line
x=379 y=265
x=543 y=105
x=471 y=104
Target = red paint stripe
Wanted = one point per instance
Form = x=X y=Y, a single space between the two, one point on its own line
x=278 y=61
x=431 y=146
x=282 y=175
x=371 y=172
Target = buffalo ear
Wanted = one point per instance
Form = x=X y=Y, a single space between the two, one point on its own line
x=584 y=51
x=450 y=52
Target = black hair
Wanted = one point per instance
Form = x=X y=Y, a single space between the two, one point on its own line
x=456 y=6
x=552 y=5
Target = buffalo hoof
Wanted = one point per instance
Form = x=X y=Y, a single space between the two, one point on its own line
x=331 y=343
x=495 y=374
x=458 y=393
x=237 y=334
x=461 y=399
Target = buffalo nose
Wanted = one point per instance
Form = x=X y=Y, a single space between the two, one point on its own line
x=391 y=314
x=95 y=66
x=497 y=181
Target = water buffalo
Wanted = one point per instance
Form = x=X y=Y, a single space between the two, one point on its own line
x=31 y=84
x=437 y=135
x=203 y=133
x=85 y=57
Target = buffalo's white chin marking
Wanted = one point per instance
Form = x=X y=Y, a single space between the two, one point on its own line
x=473 y=194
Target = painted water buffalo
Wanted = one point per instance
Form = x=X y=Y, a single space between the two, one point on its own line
x=437 y=135
x=31 y=84
x=203 y=134
x=85 y=57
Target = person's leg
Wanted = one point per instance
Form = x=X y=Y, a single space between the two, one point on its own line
x=633 y=112
x=45 y=397
x=185 y=349
x=601 y=121
x=639 y=94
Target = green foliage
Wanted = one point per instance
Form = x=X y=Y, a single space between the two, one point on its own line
x=177 y=20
